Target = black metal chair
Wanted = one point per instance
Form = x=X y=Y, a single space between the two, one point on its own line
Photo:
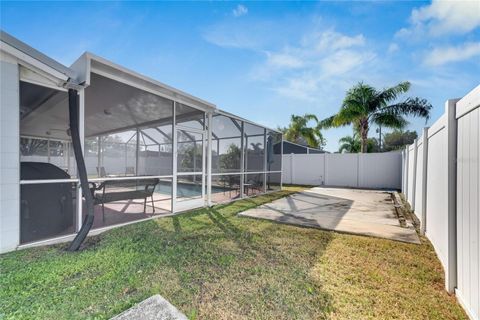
x=114 y=190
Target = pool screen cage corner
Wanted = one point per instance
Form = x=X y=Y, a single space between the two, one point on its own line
x=195 y=156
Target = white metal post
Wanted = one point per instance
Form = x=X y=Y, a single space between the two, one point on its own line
x=423 y=226
x=48 y=150
x=99 y=155
x=203 y=165
x=81 y=131
x=209 y=160
x=137 y=152
x=242 y=159
x=281 y=163
x=264 y=160
x=451 y=127
x=174 y=159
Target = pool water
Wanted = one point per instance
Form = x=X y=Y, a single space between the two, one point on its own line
x=185 y=189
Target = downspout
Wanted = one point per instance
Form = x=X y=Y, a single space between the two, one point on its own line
x=73 y=108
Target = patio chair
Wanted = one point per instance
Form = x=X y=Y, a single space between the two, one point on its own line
x=129 y=171
x=255 y=184
x=233 y=184
x=114 y=190
x=101 y=172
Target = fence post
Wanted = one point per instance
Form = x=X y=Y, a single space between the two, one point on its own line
x=359 y=154
x=423 y=226
x=292 y=168
x=414 y=175
x=451 y=127
x=403 y=172
x=407 y=156
x=324 y=168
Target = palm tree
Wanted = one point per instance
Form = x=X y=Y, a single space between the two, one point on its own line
x=349 y=144
x=364 y=105
x=353 y=144
x=298 y=131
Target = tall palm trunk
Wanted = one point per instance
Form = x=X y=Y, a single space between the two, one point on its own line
x=363 y=135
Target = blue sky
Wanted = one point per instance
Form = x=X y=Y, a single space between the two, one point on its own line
x=267 y=60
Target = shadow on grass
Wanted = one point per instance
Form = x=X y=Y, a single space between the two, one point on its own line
x=206 y=262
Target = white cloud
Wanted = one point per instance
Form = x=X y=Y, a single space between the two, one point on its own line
x=299 y=71
x=302 y=87
x=302 y=70
x=316 y=50
x=241 y=34
x=443 y=17
x=393 y=47
x=343 y=61
x=283 y=60
x=240 y=10
x=331 y=40
x=442 y=55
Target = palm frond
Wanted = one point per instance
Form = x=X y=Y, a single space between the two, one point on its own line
x=390 y=120
x=391 y=94
x=309 y=116
x=416 y=107
x=326 y=123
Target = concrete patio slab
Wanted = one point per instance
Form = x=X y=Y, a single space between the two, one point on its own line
x=153 y=308
x=361 y=212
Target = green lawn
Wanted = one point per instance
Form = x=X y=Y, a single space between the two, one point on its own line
x=212 y=264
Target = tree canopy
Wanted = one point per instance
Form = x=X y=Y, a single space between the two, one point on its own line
x=300 y=131
x=364 y=105
x=398 y=139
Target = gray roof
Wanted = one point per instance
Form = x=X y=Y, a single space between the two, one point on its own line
x=25 y=48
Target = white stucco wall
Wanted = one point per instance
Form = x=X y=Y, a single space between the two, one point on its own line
x=9 y=155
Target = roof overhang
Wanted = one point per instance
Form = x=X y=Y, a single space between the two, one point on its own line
x=35 y=60
x=89 y=63
x=38 y=66
x=231 y=115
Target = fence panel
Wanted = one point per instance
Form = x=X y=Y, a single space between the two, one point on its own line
x=341 y=170
x=411 y=174
x=451 y=208
x=419 y=180
x=437 y=194
x=468 y=206
x=310 y=169
x=373 y=170
x=380 y=170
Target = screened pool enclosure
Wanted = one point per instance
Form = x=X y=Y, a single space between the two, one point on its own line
x=149 y=150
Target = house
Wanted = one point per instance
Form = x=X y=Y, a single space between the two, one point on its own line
x=288 y=147
x=149 y=150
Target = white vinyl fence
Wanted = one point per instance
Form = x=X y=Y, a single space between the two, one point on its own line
x=441 y=181
x=370 y=170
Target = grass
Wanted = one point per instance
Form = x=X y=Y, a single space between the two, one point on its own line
x=212 y=264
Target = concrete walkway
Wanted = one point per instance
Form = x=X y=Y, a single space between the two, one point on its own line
x=153 y=308
x=362 y=212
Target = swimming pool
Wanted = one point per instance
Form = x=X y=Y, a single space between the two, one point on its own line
x=185 y=189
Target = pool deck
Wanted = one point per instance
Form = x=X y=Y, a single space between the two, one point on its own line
x=354 y=211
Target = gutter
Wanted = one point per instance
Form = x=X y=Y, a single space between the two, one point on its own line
x=73 y=108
